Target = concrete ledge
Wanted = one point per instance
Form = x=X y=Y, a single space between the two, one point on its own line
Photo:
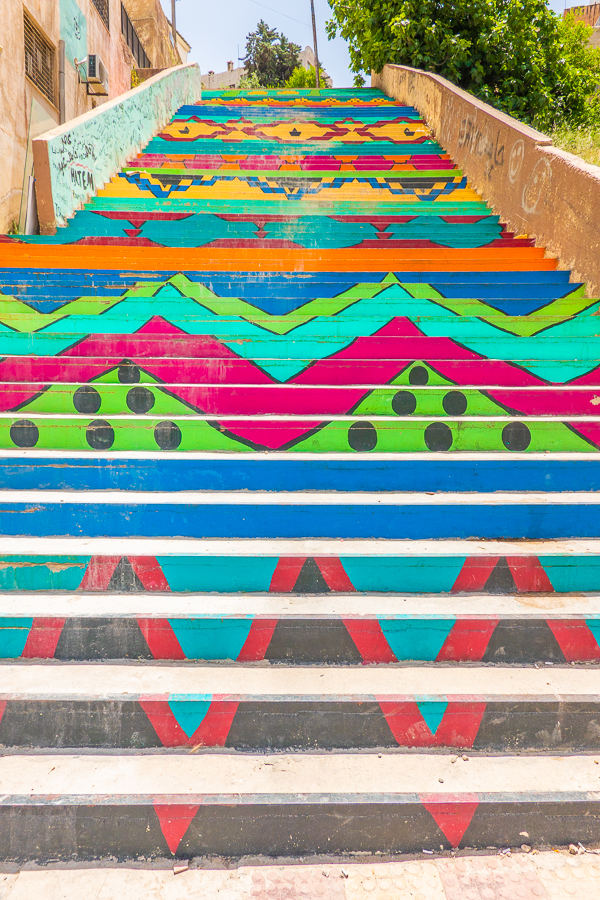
x=60 y=806
x=72 y=162
x=536 y=188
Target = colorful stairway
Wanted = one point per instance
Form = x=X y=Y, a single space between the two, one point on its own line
x=283 y=402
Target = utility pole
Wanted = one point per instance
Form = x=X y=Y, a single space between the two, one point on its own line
x=173 y=25
x=314 y=24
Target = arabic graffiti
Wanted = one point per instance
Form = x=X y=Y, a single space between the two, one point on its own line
x=83 y=158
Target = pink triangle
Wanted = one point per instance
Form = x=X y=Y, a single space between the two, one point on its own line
x=174 y=820
x=452 y=815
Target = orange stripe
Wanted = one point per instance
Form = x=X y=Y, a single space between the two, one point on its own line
x=141 y=259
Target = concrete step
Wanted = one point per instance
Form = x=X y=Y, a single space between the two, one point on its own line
x=138 y=706
x=251 y=565
x=375 y=472
x=85 y=806
x=297 y=629
x=297 y=515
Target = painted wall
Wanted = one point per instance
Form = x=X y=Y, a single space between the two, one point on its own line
x=539 y=190
x=78 y=23
x=73 y=161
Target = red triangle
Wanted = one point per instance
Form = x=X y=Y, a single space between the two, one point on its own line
x=452 y=816
x=174 y=821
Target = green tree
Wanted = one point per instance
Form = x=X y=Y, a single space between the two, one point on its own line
x=305 y=78
x=270 y=56
x=515 y=54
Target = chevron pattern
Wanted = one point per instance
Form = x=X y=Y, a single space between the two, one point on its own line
x=288 y=394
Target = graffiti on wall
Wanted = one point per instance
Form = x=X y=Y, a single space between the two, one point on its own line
x=86 y=156
x=73 y=30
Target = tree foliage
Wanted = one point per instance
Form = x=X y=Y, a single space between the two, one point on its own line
x=305 y=78
x=270 y=56
x=515 y=54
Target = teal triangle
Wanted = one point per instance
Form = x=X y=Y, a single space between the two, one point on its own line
x=594 y=626
x=433 y=712
x=416 y=638
x=188 y=713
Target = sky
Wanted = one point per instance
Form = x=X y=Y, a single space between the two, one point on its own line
x=216 y=29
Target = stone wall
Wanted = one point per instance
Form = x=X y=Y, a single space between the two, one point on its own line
x=536 y=188
x=73 y=161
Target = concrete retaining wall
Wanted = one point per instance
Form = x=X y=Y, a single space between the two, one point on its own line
x=72 y=162
x=536 y=188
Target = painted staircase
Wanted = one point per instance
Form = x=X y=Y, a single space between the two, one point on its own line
x=283 y=402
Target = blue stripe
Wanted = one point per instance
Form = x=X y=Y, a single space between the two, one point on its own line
x=274 y=521
x=296 y=475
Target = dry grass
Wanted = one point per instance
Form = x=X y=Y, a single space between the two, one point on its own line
x=583 y=141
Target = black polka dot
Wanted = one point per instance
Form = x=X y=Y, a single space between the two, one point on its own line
x=516 y=436
x=404 y=403
x=140 y=400
x=438 y=436
x=100 y=435
x=418 y=375
x=167 y=435
x=24 y=433
x=87 y=400
x=128 y=373
x=455 y=403
x=362 y=436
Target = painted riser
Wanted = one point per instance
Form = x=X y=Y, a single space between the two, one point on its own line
x=73 y=828
x=298 y=641
x=249 y=573
x=275 y=724
x=321 y=474
x=514 y=521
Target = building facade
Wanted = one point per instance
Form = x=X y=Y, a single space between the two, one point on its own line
x=58 y=60
x=591 y=16
x=230 y=79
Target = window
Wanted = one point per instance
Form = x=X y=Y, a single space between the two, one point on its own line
x=133 y=41
x=102 y=7
x=40 y=59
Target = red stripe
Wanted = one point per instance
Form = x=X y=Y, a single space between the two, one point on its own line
x=334 y=574
x=529 y=574
x=161 y=639
x=286 y=574
x=174 y=821
x=370 y=640
x=212 y=732
x=99 y=572
x=467 y=641
x=43 y=638
x=149 y=572
x=458 y=728
x=452 y=816
x=258 y=640
x=574 y=639
x=474 y=573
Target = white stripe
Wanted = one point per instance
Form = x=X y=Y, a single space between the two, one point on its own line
x=296 y=776
x=219 y=385
x=241 y=456
x=298 y=498
x=127 y=546
x=115 y=680
x=225 y=417
x=293 y=606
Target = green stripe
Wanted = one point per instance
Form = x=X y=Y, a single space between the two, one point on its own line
x=437 y=208
x=251 y=173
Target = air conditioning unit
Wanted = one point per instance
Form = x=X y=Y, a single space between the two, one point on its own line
x=97 y=75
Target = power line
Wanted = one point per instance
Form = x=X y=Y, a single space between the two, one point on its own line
x=279 y=13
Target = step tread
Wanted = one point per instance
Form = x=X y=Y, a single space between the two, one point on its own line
x=429 y=683
x=236 y=778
